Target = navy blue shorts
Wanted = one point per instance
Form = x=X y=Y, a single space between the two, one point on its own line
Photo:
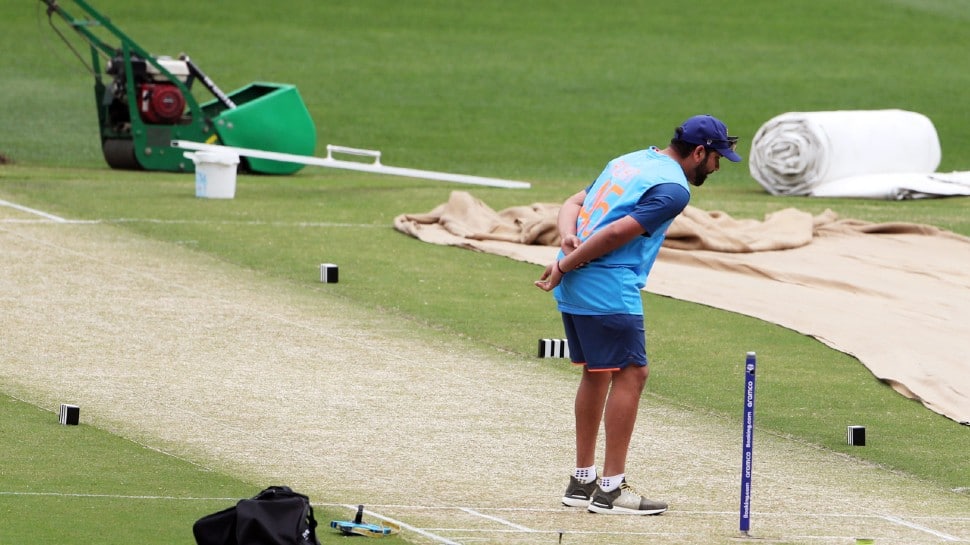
x=605 y=343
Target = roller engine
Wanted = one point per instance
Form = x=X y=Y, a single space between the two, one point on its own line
x=159 y=100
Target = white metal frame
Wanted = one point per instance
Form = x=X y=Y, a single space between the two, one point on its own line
x=376 y=167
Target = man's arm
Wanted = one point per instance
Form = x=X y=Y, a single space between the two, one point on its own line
x=566 y=222
x=602 y=242
x=657 y=205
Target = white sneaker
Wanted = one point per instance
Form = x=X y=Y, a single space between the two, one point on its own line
x=624 y=501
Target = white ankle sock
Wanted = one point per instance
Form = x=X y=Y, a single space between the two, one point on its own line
x=609 y=484
x=585 y=474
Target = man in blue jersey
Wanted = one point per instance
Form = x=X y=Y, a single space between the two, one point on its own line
x=611 y=234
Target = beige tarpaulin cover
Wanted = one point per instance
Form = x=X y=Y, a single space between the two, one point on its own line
x=894 y=295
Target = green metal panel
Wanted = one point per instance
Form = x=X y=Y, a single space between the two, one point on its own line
x=267 y=116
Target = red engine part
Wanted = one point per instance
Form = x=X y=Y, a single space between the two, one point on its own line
x=160 y=103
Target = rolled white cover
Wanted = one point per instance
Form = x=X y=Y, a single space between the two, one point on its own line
x=793 y=153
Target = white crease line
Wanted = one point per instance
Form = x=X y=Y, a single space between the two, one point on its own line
x=920 y=527
x=403 y=525
x=566 y=533
x=888 y=518
x=406 y=526
x=250 y=222
x=22 y=208
x=498 y=520
x=111 y=496
x=64 y=222
x=672 y=513
x=56 y=219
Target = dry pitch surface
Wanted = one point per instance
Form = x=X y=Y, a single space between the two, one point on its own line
x=282 y=385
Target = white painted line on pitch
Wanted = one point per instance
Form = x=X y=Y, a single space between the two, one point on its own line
x=406 y=526
x=673 y=512
x=686 y=513
x=110 y=496
x=497 y=519
x=300 y=224
x=33 y=211
x=920 y=527
x=248 y=223
x=787 y=538
x=670 y=536
x=47 y=221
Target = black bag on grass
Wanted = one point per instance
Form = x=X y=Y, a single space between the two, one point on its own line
x=275 y=516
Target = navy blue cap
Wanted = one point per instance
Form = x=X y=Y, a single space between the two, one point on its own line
x=710 y=132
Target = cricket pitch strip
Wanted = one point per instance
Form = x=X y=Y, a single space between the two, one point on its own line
x=280 y=384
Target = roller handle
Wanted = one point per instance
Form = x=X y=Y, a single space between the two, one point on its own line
x=209 y=84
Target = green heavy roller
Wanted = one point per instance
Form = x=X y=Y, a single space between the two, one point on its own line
x=145 y=102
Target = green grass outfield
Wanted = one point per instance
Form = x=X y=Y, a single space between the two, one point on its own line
x=541 y=91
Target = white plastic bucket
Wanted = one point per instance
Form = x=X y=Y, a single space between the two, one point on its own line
x=215 y=173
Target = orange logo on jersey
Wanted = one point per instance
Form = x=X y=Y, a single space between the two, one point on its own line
x=591 y=214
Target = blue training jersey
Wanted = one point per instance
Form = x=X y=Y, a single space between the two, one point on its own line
x=611 y=284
